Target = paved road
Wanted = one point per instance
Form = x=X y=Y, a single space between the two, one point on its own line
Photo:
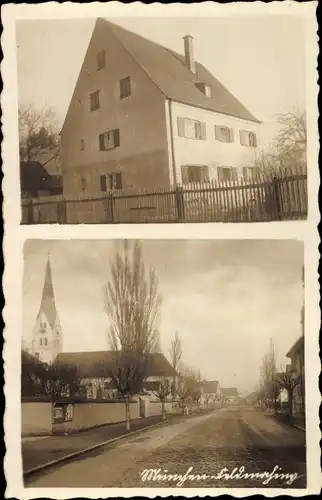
x=213 y=445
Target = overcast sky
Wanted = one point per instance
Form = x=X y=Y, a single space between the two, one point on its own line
x=261 y=59
x=226 y=298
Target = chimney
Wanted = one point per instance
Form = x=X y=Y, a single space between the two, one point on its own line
x=189 y=53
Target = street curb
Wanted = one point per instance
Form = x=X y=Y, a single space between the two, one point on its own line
x=85 y=450
x=90 y=448
x=290 y=423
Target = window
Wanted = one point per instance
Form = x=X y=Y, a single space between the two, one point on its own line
x=43 y=327
x=125 y=87
x=109 y=140
x=95 y=100
x=194 y=173
x=45 y=342
x=227 y=174
x=191 y=129
x=224 y=134
x=250 y=172
x=248 y=138
x=101 y=60
x=90 y=390
x=82 y=144
x=204 y=88
x=83 y=184
x=111 y=181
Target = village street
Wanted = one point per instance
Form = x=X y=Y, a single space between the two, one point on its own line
x=229 y=438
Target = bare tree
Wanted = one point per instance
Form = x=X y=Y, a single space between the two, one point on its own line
x=63 y=380
x=288 y=151
x=175 y=353
x=268 y=374
x=162 y=392
x=291 y=140
x=288 y=380
x=38 y=134
x=132 y=303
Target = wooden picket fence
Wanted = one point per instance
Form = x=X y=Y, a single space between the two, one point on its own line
x=257 y=199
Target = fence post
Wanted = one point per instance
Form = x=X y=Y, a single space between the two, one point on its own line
x=276 y=192
x=30 y=212
x=180 y=203
x=111 y=203
x=61 y=212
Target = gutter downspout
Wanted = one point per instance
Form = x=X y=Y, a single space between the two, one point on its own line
x=172 y=145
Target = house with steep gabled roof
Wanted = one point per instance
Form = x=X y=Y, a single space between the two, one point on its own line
x=143 y=116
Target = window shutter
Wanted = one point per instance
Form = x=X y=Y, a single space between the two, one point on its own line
x=216 y=132
x=101 y=142
x=103 y=183
x=243 y=135
x=220 y=173
x=254 y=140
x=116 y=134
x=181 y=127
x=185 y=174
x=234 y=173
x=205 y=173
x=118 y=181
x=203 y=131
x=231 y=135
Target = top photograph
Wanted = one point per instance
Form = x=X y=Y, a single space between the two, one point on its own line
x=162 y=119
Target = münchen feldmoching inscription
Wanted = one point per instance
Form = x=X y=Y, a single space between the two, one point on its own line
x=163 y=364
x=162 y=120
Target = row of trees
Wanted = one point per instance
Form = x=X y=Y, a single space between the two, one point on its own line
x=274 y=381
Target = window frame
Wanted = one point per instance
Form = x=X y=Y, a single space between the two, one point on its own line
x=125 y=87
x=219 y=136
x=186 y=171
x=251 y=143
x=116 y=140
x=112 y=182
x=184 y=125
x=94 y=98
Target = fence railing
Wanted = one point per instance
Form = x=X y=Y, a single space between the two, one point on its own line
x=257 y=199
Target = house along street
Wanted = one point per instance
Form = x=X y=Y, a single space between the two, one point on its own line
x=235 y=447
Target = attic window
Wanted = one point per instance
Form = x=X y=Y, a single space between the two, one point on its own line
x=204 y=88
x=95 y=100
x=101 y=60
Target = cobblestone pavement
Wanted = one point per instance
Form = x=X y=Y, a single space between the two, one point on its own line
x=212 y=445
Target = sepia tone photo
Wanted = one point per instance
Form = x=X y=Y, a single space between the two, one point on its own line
x=163 y=363
x=162 y=119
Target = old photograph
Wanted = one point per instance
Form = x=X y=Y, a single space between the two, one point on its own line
x=162 y=119
x=163 y=364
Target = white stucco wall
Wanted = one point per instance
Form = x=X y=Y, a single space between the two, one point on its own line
x=210 y=152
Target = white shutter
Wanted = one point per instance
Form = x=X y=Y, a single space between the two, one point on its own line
x=219 y=173
x=234 y=174
x=181 y=127
x=203 y=131
x=231 y=135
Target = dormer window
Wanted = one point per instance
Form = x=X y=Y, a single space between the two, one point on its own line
x=204 y=88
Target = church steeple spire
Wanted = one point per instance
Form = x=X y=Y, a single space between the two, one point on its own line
x=47 y=304
x=47 y=336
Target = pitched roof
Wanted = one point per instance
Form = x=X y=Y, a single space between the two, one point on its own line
x=210 y=387
x=93 y=364
x=47 y=304
x=229 y=392
x=299 y=345
x=167 y=69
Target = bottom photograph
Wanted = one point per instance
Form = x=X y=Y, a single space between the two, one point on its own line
x=163 y=364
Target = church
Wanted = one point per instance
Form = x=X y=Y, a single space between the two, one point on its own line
x=47 y=347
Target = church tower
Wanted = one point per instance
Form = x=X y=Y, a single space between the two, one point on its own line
x=47 y=334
